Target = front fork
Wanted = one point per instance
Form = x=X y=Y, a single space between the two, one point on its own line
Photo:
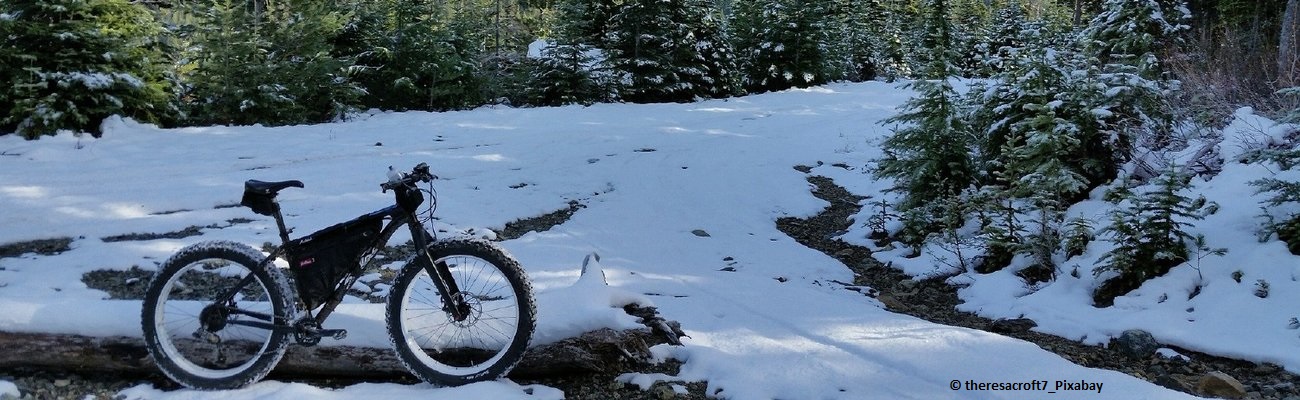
x=453 y=302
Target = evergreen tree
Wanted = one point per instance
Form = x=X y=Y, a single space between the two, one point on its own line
x=1127 y=38
x=68 y=64
x=270 y=66
x=1040 y=152
x=670 y=50
x=567 y=71
x=928 y=156
x=1149 y=231
x=712 y=52
x=784 y=41
x=1000 y=225
x=1006 y=39
x=898 y=44
x=857 y=36
x=564 y=76
x=1040 y=143
x=407 y=59
x=970 y=36
x=1281 y=192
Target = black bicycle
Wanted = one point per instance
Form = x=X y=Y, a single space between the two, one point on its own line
x=220 y=314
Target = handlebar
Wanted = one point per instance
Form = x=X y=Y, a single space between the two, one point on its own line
x=418 y=174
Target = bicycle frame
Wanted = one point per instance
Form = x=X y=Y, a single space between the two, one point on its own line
x=396 y=217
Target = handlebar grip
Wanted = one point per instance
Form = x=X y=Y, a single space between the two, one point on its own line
x=418 y=174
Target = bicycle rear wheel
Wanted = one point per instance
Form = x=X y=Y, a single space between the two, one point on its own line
x=204 y=340
x=485 y=345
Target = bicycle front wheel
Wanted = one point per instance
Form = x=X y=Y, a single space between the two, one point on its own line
x=210 y=313
x=483 y=346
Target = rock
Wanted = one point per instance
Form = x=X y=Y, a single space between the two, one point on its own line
x=1267 y=368
x=891 y=303
x=665 y=392
x=1182 y=383
x=1136 y=343
x=1012 y=325
x=1218 y=384
x=62 y=382
x=700 y=233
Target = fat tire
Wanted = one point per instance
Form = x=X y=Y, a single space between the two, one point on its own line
x=278 y=290
x=519 y=285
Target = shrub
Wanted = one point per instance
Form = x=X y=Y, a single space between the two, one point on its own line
x=1150 y=233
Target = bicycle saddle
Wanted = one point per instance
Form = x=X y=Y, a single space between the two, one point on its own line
x=259 y=187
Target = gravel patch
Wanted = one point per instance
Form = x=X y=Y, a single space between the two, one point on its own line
x=68 y=385
x=541 y=223
x=39 y=246
x=935 y=301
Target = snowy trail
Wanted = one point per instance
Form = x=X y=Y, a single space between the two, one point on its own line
x=672 y=191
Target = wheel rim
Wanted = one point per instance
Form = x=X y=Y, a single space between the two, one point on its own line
x=466 y=348
x=177 y=319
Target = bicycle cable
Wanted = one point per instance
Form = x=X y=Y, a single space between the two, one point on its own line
x=426 y=216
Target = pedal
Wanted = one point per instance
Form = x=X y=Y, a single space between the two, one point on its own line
x=337 y=334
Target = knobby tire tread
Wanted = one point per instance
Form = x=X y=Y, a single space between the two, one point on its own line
x=277 y=286
x=508 y=266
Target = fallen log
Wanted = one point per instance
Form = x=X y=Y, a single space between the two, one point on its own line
x=600 y=350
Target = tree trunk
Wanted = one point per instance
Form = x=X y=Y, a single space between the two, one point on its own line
x=602 y=350
x=1288 y=54
x=1078 y=14
x=595 y=351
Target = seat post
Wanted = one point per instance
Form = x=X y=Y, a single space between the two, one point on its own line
x=279 y=223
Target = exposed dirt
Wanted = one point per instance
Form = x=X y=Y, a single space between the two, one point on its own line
x=65 y=385
x=38 y=246
x=936 y=301
x=541 y=223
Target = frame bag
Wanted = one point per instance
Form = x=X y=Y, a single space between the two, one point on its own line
x=322 y=259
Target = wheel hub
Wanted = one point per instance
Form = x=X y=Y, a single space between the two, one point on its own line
x=471 y=307
x=214 y=317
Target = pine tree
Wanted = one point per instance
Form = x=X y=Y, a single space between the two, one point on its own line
x=1000 y=226
x=408 y=59
x=898 y=47
x=273 y=66
x=670 y=50
x=857 y=35
x=567 y=70
x=1127 y=38
x=928 y=155
x=71 y=63
x=1006 y=39
x=1037 y=141
x=564 y=76
x=970 y=35
x=712 y=53
x=784 y=42
x=1281 y=192
x=1150 y=234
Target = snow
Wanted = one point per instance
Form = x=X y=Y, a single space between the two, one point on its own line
x=271 y=390
x=649 y=176
x=8 y=388
x=1223 y=311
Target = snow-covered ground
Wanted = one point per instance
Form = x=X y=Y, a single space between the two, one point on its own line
x=1250 y=292
x=651 y=178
